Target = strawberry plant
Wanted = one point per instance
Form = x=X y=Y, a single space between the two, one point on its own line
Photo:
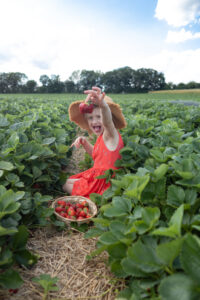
x=149 y=218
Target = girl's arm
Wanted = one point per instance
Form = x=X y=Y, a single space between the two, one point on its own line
x=97 y=98
x=81 y=140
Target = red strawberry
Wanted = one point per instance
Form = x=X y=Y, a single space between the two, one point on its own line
x=82 y=214
x=58 y=209
x=64 y=215
x=79 y=205
x=36 y=186
x=62 y=203
x=86 y=108
x=13 y=291
x=85 y=203
x=71 y=211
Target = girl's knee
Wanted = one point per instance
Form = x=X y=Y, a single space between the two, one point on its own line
x=67 y=187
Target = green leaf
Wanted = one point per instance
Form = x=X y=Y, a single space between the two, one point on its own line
x=48 y=141
x=47 y=282
x=111 y=212
x=25 y=258
x=13 y=140
x=190 y=256
x=174 y=229
x=117 y=251
x=122 y=203
x=36 y=172
x=6 y=165
x=175 y=196
x=6 y=257
x=3 y=121
x=7 y=231
x=108 y=238
x=190 y=196
x=150 y=215
x=137 y=186
x=178 y=286
x=167 y=252
x=93 y=232
x=10 y=279
x=131 y=268
x=160 y=172
x=144 y=257
x=117 y=269
x=118 y=229
x=20 y=239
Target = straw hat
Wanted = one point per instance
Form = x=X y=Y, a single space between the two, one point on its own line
x=77 y=117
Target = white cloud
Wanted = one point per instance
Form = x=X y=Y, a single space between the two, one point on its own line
x=177 y=66
x=178 y=13
x=181 y=36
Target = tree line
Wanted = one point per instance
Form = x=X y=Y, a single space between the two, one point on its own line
x=121 y=80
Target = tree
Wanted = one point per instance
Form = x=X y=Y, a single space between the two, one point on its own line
x=118 y=80
x=14 y=81
x=3 y=83
x=70 y=86
x=55 y=85
x=89 y=79
x=30 y=86
x=44 y=79
x=148 y=80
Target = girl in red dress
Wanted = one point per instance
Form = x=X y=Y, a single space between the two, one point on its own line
x=103 y=121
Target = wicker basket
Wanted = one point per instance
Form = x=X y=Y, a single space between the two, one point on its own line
x=74 y=200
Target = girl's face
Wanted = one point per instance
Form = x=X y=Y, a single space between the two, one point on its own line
x=95 y=121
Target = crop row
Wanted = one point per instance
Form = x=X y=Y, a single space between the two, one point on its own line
x=35 y=136
x=149 y=221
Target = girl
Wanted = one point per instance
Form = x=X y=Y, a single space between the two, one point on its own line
x=104 y=121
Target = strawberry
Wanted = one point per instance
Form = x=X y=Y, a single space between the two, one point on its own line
x=62 y=203
x=71 y=211
x=88 y=216
x=13 y=291
x=36 y=186
x=58 y=209
x=85 y=203
x=79 y=205
x=64 y=215
x=86 y=108
x=82 y=214
x=78 y=210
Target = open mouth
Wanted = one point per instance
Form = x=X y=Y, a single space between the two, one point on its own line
x=97 y=129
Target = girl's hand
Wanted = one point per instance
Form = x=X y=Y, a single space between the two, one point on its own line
x=95 y=96
x=79 y=141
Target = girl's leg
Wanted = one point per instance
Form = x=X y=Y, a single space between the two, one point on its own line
x=68 y=186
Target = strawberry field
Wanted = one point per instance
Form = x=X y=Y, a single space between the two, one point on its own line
x=148 y=222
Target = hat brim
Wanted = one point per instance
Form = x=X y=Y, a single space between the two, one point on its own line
x=77 y=117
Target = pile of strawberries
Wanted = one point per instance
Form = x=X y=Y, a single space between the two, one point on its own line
x=73 y=211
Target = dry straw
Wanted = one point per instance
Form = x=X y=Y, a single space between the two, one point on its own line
x=63 y=255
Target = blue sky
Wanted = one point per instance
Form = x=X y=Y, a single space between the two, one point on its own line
x=60 y=36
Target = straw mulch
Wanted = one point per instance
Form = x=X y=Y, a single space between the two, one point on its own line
x=63 y=255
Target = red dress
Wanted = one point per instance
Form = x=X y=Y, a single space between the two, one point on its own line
x=104 y=159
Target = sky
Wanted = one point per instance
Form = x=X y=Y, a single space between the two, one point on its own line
x=58 y=37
